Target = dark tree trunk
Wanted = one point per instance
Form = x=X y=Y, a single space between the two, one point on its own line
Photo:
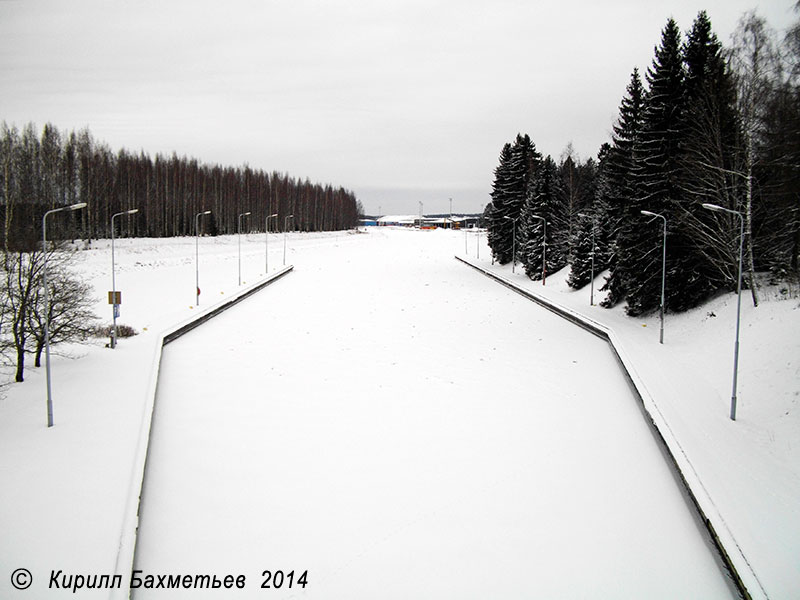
x=20 y=377
x=39 y=347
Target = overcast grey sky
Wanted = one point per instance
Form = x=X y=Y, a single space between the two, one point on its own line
x=400 y=101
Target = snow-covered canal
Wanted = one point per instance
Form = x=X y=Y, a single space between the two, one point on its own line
x=398 y=426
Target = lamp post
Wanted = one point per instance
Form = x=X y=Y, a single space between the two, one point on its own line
x=285 y=227
x=663 y=267
x=513 y=242
x=451 y=213
x=717 y=208
x=115 y=309
x=544 y=246
x=197 y=255
x=591 y=289
x=47 y=306
x=266 y=242
x=240 y=245
x=420 y=215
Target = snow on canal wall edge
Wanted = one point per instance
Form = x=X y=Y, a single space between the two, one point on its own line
x=130 y=519
x=729 y=550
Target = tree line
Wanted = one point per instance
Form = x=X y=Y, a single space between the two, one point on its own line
x=709 y=125
x=54 y=170
x=39 y=172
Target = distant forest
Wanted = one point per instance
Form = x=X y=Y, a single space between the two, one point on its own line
x=41 y=171
x=709 y=142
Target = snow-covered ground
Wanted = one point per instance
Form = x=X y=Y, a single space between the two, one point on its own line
x=749 y=468
x=400 y=427
x=442 y=485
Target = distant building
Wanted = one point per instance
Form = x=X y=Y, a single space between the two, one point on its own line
x=428 y=222
x=399 y=220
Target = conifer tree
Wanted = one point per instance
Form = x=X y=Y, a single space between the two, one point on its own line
x=583 y=249
x=592 y=235
x=570 y=188
x=623 y=205
x=656 y=172
x=497 y=234
x=581 y=177
x=708 y=164
x=544 y=199
x=512 y=176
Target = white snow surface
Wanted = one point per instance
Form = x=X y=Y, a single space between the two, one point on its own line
x=400 y=426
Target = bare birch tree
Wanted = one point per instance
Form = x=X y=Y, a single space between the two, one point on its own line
x=754 y=61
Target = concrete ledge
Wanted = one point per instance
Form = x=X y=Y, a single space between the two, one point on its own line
x=729 y=551
x=130 y=519
x=179 y=330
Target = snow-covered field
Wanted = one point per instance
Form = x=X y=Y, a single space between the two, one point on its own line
x=400 y=426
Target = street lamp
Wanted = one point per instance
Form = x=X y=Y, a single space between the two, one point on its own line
x=420 y=215
x=47 y=305
x=196 y=255
x=285 y=227
x=591 y=289
x=663 y=267
x=114 y=302
x=717 y=208
x=240 y=245
x=266 y=242
x=544 y=246
x=513 y=242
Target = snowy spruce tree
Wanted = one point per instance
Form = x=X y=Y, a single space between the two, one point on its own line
x=592 y=232
x=571 y=189
x=708 y=159
x=496 y=233
x=583 y=239
x=578 y=182
x=656 y=174
x=675 y=147
x=508 y=195
x=623 y=203
x=544 y=199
